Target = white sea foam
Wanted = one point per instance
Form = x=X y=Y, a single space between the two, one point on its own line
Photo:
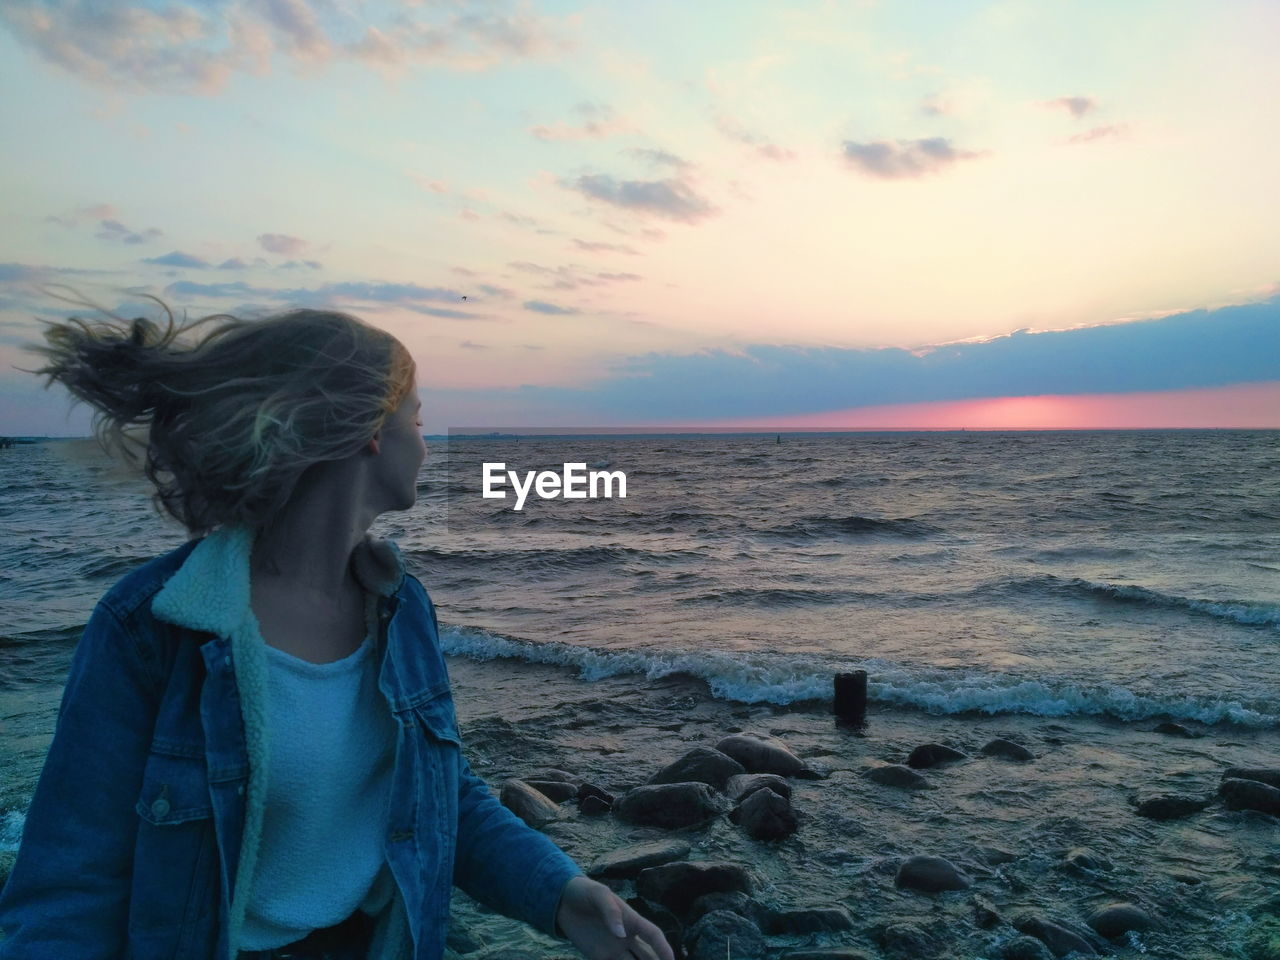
x=753 y=678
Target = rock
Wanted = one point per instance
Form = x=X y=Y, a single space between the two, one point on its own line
x=702 y=764
x=676 y=885
x=629 y=861
x=985 y=914
x=931 y=875
x=664 y=920
x=744 y=783
x=1025 y=948
x=591 y=790
x=764 y=754
x=933 y=754
x=528 y=804
x=553 y=774
x=723 y=933
x=1174 y=730
x=1057 y=938
x=1250 y=795
x=808 y=920
x=1268 y=775
x=1082 y=858
x=994 y=856
x=555 y=790
x=593 y=806
x=1000 y=747
x=765 y=815
x=904 y=941
x=1116 y=919
x=1170 y=806
x=668 y=804
x=897 y=775
x=733 y=900
x=829 y=953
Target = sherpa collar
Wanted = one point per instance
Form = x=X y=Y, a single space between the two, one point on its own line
x=210 y=591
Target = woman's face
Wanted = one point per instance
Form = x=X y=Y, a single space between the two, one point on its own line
x=402 y=451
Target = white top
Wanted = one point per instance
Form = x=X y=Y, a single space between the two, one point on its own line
x=331 y=748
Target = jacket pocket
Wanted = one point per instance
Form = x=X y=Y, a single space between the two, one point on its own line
x=436 y=716
x=175 y=869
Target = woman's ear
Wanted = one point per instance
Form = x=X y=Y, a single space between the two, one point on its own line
x=375 y=442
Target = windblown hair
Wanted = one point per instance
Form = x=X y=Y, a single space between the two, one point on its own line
x=234 y=418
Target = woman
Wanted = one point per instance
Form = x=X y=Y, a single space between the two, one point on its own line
x=256 y=753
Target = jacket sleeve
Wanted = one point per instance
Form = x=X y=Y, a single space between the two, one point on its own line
x=503 y=862
x=68 y=892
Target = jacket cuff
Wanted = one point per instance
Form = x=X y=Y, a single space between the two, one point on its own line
x=544 y=889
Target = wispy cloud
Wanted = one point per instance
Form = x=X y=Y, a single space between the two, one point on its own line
x=597 y=120
x=115 y=231
x=195 y=47
x=762 y=146
x=905 y=158
x=178 y=259
x=1077 y=106
x=670 y=199
x=540 y=306
x=282 y=243
x=1109 y=132
x=595 y=246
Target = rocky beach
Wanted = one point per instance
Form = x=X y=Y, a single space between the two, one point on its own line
x=775 y=831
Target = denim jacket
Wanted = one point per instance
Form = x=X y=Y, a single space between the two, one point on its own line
x=149 y=806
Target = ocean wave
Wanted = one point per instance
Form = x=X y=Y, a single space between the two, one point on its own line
x=761 y=679
x=1247 y=612
x=779 y=596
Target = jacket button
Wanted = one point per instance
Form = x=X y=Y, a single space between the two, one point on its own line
x=160 y=807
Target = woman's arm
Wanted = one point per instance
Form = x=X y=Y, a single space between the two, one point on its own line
x=68 y=892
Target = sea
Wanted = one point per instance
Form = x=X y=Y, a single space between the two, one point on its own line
x=1125 y=576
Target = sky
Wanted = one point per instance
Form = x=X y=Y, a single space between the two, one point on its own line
x=916 y=214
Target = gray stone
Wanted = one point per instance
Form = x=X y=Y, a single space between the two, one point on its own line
x=765 y=816
x=1250 y=795
x=1025 y=948
x=733 y=900
x=1268 y=775
x=528 y=804
x=702 y=764
x=1082 y=858
x=1057 y=938
x=1170 y=806
x=905 y=941
x=593 y=806
x=668 y=804
x=723 y=933
x=1000 y=747
x=809 y=920
x=897 y=775
x=931 y=875
x=556 y=791
x=760 y=753
x=932 y=755
x=1116 y=919
x=629 y=861
x=744 y=783
x=676 y=885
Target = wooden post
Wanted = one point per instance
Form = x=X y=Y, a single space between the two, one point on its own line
x=851 y=697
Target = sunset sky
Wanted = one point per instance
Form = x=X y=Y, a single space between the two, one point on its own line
x=907 y=214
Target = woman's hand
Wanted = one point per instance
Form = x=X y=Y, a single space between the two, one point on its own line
x=591 y=915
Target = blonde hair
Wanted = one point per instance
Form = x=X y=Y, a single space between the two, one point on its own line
x=235 y=418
